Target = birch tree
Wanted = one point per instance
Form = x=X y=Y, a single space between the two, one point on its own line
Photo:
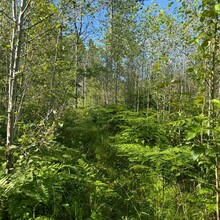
x=18 y=12
x=25 y=17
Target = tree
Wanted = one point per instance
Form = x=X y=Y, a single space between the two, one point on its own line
x=18 y=17
x=206 y=72
x=22 y=34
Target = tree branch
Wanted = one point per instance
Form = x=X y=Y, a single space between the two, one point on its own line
x=38 y=22
x=5 y=14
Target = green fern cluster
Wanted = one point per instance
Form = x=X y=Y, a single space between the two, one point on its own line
x=103 y=164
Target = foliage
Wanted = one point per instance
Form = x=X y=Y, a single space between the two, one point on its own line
x=109 y=110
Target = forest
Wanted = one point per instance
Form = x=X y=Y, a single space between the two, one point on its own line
x=109 y=110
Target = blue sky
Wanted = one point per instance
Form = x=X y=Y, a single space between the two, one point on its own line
x=96 y=32
x=163 y=3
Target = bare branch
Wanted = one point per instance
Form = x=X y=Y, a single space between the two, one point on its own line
x=26 y=7
x=5 y=14
x=38 y=22
x=40 y=35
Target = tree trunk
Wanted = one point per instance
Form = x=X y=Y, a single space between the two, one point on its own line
x=16 y=43
x=76 y=73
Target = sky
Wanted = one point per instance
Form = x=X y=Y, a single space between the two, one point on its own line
x=96 y=32
x=162 y=3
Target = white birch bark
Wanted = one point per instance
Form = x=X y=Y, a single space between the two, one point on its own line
x=16 y=44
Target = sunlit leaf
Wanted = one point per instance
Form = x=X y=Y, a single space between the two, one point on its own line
x=216 y=102
x=217 y=8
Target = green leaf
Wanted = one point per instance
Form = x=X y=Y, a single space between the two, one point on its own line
x=216 y=102
x=44 y=68
x=196 y=40
x=101 y=184
x=205 y=43
x=217 y=8
x=202 y=18
x=190 y=70
x=57 y=26
x=13 y=147
x=158 y=64
x=191 y=135
x=138 y=167
x=170 y=4
x=196 y=152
